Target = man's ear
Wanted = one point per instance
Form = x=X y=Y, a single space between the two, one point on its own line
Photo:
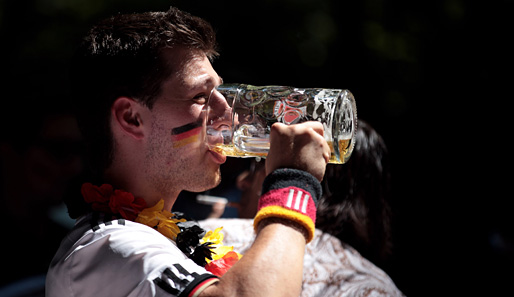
x=126 y=114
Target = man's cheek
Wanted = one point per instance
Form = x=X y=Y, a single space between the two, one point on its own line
x=186 y=134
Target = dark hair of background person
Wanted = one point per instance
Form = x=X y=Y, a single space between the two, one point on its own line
x=121 y=56
x=355 y=203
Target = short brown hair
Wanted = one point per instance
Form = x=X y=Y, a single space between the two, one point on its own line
x=120 y=56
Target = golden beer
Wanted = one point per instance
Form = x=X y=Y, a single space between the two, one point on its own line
x=231 y=151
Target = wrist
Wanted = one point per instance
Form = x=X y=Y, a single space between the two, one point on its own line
x=291 y=195
x=285 y=222
x=287 y=177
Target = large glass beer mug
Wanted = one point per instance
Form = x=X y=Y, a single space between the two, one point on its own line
x=243 y=129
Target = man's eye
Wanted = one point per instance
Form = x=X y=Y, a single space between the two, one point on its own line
x=201 y=98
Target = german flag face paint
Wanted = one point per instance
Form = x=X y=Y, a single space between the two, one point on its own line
x=186 y=134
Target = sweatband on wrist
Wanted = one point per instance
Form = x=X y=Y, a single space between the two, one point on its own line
x=290 y=194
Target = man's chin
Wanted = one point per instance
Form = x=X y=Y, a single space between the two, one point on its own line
x=217 y=179
x=209 y=183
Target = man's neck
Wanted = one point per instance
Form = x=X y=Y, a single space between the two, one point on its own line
x=139 y=189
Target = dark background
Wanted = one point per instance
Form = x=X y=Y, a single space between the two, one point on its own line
x=434 y=78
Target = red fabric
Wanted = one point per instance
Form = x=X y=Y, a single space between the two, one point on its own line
x=222 y=265
x=280 y=197
x=125 y=204
x=106 y=199
x=97 y=196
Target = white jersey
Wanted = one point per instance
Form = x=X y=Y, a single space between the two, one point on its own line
x=104 y=257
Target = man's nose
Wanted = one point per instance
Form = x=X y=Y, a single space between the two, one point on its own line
x=218 y=102
x=219 y=109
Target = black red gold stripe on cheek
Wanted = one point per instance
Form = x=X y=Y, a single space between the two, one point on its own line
x=186 y=134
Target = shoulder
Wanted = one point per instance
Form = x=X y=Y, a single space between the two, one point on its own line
x=104 y=234
x=98 y=253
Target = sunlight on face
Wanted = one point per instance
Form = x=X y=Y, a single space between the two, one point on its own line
x=177 y=157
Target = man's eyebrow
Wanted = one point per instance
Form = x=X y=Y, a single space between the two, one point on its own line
x=202 y=82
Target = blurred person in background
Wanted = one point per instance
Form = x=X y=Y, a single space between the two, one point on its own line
x=355 y=206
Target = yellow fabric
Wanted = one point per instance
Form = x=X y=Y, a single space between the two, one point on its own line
x=163 y=219
x=218 y=249
x=281 y=212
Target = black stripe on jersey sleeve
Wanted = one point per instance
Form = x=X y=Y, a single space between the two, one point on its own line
x=183 y=287
x=182 y=282
x=165 y=286
x=199 y=279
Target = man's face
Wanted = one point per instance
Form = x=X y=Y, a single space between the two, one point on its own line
x=177 y=157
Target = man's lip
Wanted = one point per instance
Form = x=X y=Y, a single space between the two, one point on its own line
x=218 y=158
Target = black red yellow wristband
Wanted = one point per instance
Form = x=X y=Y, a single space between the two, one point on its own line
x=290 y=194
